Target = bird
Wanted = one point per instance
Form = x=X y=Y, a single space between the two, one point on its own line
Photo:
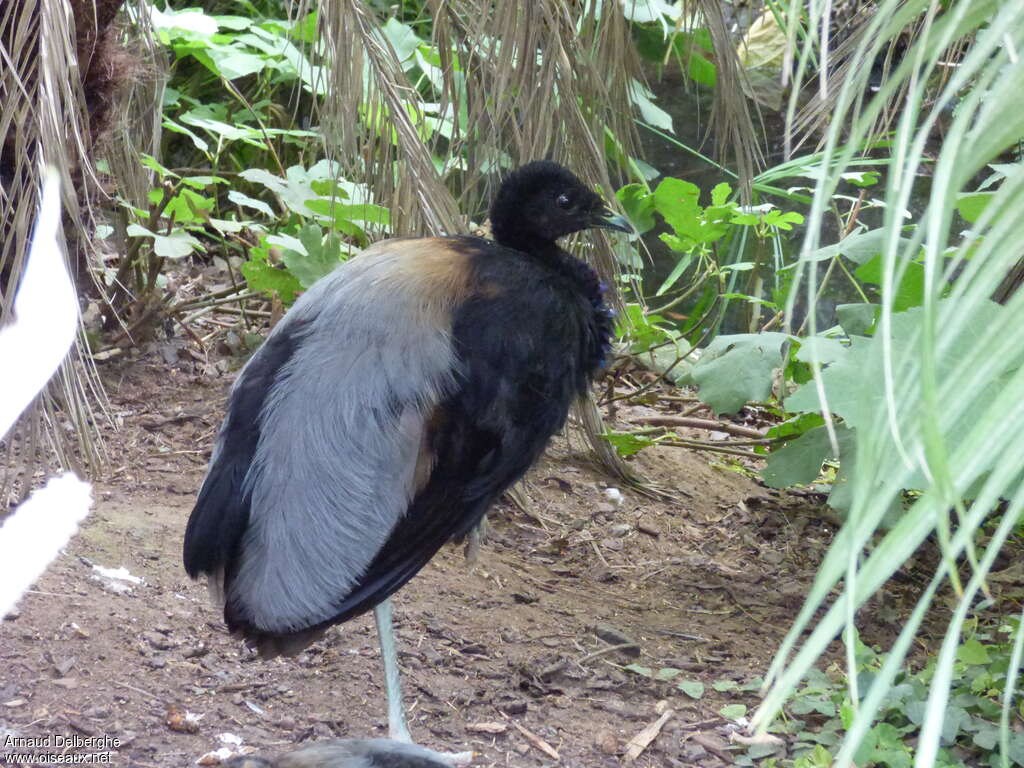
x=396 y=400
x=350 y=753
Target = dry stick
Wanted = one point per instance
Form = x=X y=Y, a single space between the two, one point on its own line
x=711 y=424
x=642 y=740
x=203 y=300
x=600 y=556
x=710 y=448
x=210 y=301
x=609 y=649
x=534 y=739
x=240 y=311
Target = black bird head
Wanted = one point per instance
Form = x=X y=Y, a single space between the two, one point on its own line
x=541 y=202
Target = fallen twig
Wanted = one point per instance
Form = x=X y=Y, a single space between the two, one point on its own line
x=710 y=424
x=534 y=739
x=642 y=740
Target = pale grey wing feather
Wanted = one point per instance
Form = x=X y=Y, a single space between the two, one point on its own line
x=340 y=434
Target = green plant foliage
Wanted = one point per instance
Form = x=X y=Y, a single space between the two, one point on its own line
x=738 y=369
x=820 y=712
x=263 y=276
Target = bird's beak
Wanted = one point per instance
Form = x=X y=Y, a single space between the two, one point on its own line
x=605 y=219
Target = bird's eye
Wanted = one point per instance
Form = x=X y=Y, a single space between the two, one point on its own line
x=563 y=201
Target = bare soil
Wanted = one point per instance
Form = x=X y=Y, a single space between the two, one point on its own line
x=497 y=658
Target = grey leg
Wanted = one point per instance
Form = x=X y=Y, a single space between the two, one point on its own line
x=397 y=728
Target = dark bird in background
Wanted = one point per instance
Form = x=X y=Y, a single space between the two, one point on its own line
x=350 y=753
x=395 y=402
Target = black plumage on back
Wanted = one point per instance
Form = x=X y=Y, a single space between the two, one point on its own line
x=417 y=382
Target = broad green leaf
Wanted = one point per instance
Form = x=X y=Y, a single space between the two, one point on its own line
x=318 y=257
x=245 y=201
x=692 y=688
x=402 y=37
x=176 y=245
x=231 y=63
x=148 y=161
x=857 y=319
x=799 y=461
x=676 y=200
x=973 y=652
x=972 y=205
x=652 y=114
x=365 y=212
x=645 y=671
x=733 y=711
x=861 y=178
x=725 y=685
x=190 y=20
x=701 y=69
x=261 y=276
x=910 y=291
x=667 y=673
x=202 y=182
x=627 y=445
x=735 y=370
x=638 y=204
x=860 y=247
x=720 y=194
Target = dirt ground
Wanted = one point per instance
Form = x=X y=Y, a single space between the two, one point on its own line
x=513 y=659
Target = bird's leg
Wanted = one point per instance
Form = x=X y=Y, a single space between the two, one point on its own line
x=397 y=727
x=398 y=730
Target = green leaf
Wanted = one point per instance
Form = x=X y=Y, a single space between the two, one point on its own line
x=720 y=194
x=249 y=202
x=861 y=178
x=986 y=738
x=643 y=98
x=175 y=245
x=733 y=711
x=676 y=200
x=232 y=63
x=402 y=37
x=261 y=276
x=735 y=370
x=626 y=444
x=692 y=688
x=973 y=652
x=859 y=247
x=797 y=425
x=667 y=673
x=725 y=685
x=148 y=161
x=799 y=461
x=857 y=319
x=973 y=204
x=701 y=69
x=910 y=291
x=645 y=671
x=342 y=212
x=638 y=204
x=318 y=257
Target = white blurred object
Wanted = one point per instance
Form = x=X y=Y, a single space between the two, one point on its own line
x=614 y=495
x=34 y=535
x=45 y=314
x=117 y=580
x=31 y=349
